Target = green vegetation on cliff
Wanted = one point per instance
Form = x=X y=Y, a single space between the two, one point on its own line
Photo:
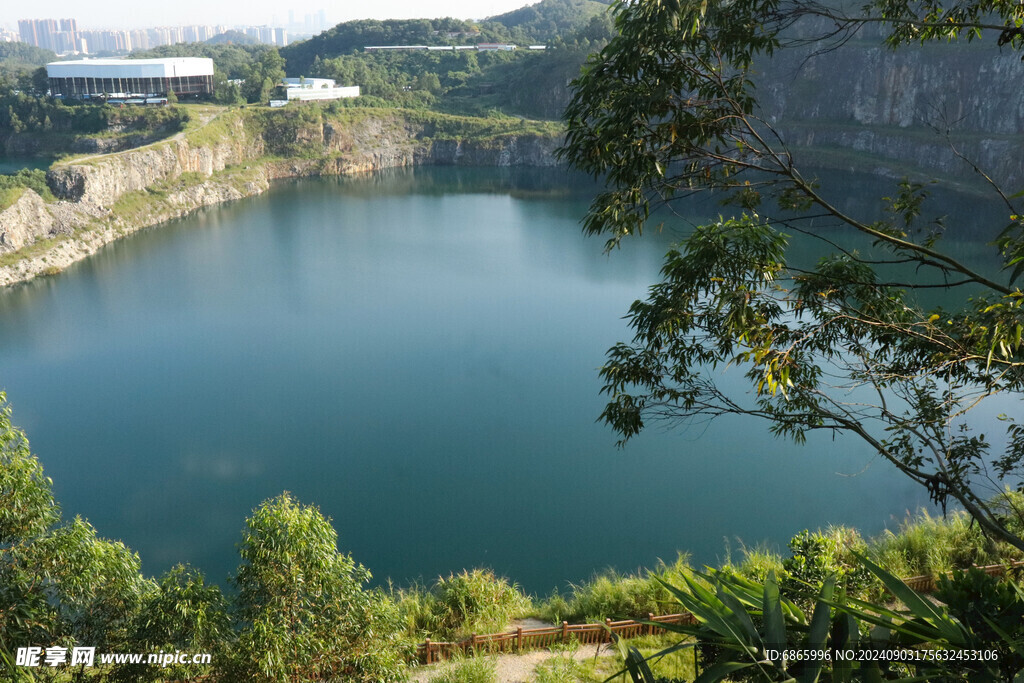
x=12 y=186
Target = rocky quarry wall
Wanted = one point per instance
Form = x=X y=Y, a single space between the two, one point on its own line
x=239 y=160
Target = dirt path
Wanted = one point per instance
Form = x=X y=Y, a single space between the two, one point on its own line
x=204 y=116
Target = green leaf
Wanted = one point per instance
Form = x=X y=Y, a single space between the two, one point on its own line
x=774 y=623
x=720 y=671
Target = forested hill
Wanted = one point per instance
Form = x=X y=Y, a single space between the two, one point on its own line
x=353 y=36
x=550 y=19
x=539 y=23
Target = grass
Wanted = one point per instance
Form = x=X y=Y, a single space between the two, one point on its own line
x=468 y=670
x=610 y=594
x=37 y=248
x=928 y=545
x=472 y=601
x=9 y=195
x=678 y=665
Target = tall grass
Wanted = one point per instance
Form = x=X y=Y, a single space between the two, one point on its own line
x=472 y=601
x=611 y=595
x=929 y=545
x=924 y=544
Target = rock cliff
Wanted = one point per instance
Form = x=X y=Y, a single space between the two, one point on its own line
x=906 y=108
x=237 y=154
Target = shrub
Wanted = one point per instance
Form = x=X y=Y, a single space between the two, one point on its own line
x=990 y=608
x=820 y=555
x=476 y=601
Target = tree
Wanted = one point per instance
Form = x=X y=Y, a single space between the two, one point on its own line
x=265 y=74
x=301 y=605
x=668 y=108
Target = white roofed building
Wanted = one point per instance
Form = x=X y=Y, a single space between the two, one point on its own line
x=306 y=89
x=126 y=77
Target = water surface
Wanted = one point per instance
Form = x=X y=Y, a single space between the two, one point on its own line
x=15 y=164
x=417 y=354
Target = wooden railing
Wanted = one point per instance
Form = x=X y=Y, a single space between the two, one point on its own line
x=514 y=642
x=539 y=638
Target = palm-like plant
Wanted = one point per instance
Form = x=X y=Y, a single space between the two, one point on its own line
x=748 y=630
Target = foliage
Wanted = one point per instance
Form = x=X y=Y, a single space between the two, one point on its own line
x=929 y=546
x=23 y=53
x=611 y=595
x=183 y=614
x=27 y=507
x=550 y=19
x=817 y=557
x=302 y=609
x=993 y=610
x=740 y=621
x=263 y=77
x=472 y=601
x=350 y=36
x=668 y=108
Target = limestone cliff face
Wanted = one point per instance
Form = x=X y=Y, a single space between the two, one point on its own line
x=900 y=105
x=24 y=222
x=103 y=179
x=235 y=156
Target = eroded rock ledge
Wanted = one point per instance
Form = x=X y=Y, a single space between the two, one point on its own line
x=234 y=155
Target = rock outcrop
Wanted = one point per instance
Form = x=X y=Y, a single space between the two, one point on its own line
x=238 y=154
x=24 y=222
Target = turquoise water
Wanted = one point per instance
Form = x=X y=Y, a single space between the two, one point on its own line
x=417 y=354
x=13 y=165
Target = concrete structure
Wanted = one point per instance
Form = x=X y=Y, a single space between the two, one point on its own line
x=127 y=77
x=306 y=89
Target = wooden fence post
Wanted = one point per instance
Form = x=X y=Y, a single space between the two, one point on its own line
x=650 y=628
x=608 y=635
x=427 y=643
x=473 y=644
x=565 y=631
x=519 y=639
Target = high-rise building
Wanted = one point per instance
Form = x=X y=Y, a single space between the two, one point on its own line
x=60 y=36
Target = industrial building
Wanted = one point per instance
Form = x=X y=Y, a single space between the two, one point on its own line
x=184 y=76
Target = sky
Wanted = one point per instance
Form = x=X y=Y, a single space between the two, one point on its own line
x=136 y=14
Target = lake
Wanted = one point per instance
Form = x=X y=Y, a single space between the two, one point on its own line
x=15 y=164
x=416 y=353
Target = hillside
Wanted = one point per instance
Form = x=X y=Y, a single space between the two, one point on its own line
x=549 y=19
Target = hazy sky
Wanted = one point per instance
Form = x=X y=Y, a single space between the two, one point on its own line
x=139 y=13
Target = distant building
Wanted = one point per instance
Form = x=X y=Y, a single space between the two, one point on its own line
x=485 y=47
x=369 y=48
x=127 y=77
x=309 y=89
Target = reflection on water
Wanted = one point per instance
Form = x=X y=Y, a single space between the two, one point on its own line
x=414 y=352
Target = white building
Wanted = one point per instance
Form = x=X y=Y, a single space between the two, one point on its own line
x=307 y=89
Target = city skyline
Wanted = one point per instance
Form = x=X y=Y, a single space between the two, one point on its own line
x=119 y=14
